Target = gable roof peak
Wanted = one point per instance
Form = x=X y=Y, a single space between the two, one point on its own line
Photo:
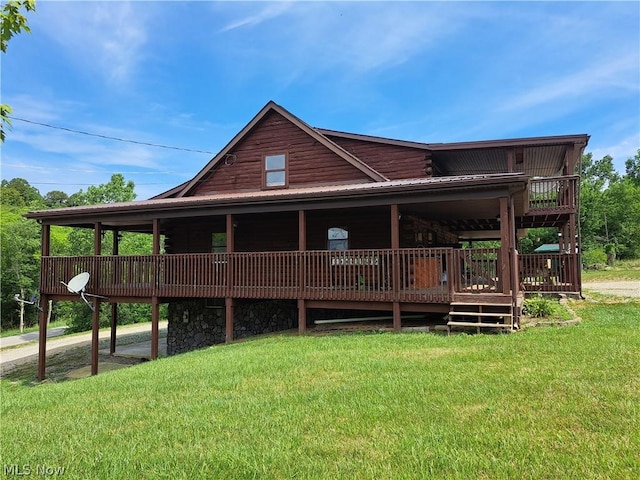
x=312 y=132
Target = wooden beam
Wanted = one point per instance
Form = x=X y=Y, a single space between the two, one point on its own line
x=228 y=303
x=114 y=306
x=395 y=227
x=302 y=230
x=42 y=346
x=114 y=324
x=302 y=246
x=511 y=160
x=95 y=329
x=155 y=317
x=156 y=236
x=515 y=268
x=505 y=245
x=97 y=238
x=397 y=317
x=45 y=247
x=302 y=316
x=230 y=234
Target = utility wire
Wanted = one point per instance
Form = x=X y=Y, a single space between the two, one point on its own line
x=110 y=138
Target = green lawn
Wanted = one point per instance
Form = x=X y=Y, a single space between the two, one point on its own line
x=622 y=270
x=542 y=403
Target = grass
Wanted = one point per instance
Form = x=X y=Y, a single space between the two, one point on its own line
x=542 y=403
x=622 y=270
x=34 y=328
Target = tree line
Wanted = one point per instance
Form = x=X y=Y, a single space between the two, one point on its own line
x=609 y=220
x=20 y=248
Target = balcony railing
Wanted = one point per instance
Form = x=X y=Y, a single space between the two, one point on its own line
x=557 y=194
x=549 y=272
x=419 y=275
x=477 y=270
x=408 y=275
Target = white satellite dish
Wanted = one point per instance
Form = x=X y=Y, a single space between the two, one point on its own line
x=77 y=285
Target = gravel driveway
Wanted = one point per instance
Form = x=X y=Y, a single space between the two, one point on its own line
x=620 y=288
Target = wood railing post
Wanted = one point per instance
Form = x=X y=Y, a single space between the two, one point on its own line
x=155 y=318
x=505 y=246
x=302 y=246
x=395 y=246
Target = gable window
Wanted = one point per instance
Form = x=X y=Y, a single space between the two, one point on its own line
x=337 y=239
x=275 y=170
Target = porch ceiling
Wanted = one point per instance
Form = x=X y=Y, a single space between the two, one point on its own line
x=543 y=161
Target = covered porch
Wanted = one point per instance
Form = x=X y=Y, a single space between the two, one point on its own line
x=398 y=250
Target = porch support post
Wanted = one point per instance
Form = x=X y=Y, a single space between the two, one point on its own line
x=302 y=246
x=95 y=323
x=155 y=317
x=97 y=239
x=228 y=301
x=515 y=267
x=95 y=327
x=42 y=347
x=156 y=236
x=114 y=306
x=395 y=245
x=44 y=304
x=505 y=244
x=572 y=242
x=228 y=304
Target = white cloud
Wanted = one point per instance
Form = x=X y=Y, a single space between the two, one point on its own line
x=313 y=38
x=107 y=37
x=268 y=12
x=619 y=73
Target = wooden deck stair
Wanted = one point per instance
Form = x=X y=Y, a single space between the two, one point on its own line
x=481 y=315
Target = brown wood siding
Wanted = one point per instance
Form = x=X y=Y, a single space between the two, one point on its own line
x=309 y=162
x=392 y=161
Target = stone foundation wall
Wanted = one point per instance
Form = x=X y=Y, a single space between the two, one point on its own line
x=193 y=325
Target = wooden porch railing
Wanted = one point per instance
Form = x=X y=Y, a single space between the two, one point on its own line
x=549 y=272
x=556 y=194
x=350 y=275
x=477 y=270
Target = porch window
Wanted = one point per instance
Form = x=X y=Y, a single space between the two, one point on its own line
x=275 y=170
x=219 y=242
x=337 y=239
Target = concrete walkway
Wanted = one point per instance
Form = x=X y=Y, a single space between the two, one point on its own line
x=29 y=352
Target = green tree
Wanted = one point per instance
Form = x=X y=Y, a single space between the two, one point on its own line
x=12 y=22
x=18 y=193
x=56 y=199
x=610 y=207
x=632 y=167
x=20 y=267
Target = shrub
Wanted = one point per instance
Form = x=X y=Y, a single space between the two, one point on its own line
x=597 y=256
x=538 y=307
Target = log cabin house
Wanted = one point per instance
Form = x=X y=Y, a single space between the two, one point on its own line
x=289 y=224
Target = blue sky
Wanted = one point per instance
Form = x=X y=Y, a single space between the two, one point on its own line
x=192 y=74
